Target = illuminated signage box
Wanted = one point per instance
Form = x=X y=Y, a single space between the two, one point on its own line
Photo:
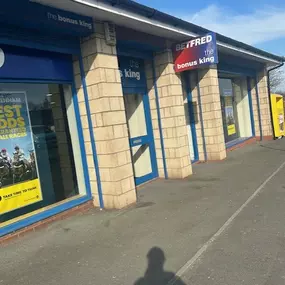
x=196 y=53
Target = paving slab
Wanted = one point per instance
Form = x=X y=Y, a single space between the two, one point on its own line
x=176 y=216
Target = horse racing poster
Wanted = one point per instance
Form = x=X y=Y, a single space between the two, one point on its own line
x=19 y=177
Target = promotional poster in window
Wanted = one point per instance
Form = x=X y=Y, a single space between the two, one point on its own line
x=229 y=111
x=19 y=176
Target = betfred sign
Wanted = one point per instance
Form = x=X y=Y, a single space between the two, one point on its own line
x=196 y=53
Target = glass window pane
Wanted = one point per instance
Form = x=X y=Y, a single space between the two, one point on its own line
x=235 y=107
x=74 y=138
x=135 y=115
x=242 y=106
x=53 y=148
x=141 y=160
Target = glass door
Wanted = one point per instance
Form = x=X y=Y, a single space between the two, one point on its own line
x=140 y=136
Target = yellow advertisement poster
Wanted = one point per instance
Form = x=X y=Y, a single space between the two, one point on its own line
x=230 y=120
x=231 y=130
x=19 y=178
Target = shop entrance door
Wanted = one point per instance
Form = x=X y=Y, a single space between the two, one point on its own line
x=229 y=111
x=140 y=135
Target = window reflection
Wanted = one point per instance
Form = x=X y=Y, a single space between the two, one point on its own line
x=52 y=142
x=235 y=107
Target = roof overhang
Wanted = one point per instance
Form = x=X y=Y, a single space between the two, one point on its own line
x=99 y=10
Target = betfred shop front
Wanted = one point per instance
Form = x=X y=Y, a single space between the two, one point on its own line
x=43 y=169
x=224 y=97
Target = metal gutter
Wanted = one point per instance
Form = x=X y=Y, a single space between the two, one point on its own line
x=134 y=16
x=144 y=14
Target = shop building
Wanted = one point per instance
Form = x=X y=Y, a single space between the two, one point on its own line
x=89 y=93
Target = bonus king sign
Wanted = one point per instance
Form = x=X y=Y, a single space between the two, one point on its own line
x=196 y=53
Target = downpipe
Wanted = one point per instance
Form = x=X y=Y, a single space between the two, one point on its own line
x=269 y=94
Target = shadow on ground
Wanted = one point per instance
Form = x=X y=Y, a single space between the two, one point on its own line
x=155 y=274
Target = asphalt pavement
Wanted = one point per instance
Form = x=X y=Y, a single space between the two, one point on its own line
x=223 y=225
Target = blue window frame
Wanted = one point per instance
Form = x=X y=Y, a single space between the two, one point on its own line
x=234 y=71
x=56 y=208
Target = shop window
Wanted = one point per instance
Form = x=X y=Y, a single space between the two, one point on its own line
x=235 y=107
x=40 y=160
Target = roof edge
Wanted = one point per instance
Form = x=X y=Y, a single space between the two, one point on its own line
x=157 y=15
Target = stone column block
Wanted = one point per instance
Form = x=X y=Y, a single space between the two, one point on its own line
x=262 y=85
x=107 y=109
x=173 y=117
x=212 y=113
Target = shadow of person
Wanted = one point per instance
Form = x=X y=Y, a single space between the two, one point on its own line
x=155 y=274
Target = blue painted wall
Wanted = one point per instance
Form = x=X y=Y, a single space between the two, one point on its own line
x=23 y=63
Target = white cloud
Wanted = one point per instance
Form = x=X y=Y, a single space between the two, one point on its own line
x=259 y=26
x=254 y=28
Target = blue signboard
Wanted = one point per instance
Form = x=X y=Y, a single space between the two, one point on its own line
x=28 y=64
x=39 y=17
x=195 y=53
x=132 y=72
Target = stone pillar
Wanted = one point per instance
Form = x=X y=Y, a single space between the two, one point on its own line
x=173 y=116
x=107 y=108
x=262 y=84
x=212 y=113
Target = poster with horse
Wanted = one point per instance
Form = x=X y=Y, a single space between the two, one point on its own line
x=19 y=176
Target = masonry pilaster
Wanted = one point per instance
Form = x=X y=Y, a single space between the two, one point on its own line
x=107 y=110
x=173 y=116
x=262 y=85
x=212 y=113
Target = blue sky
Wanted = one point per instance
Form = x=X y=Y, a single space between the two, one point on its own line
x=257 y=22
